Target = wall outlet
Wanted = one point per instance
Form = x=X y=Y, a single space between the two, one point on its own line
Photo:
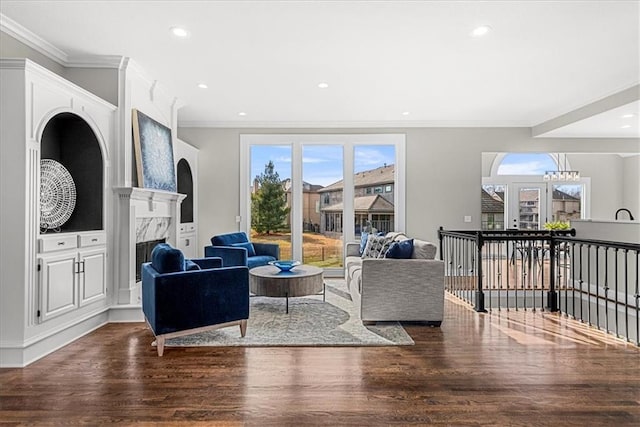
x=238 y=218
x=467 y=218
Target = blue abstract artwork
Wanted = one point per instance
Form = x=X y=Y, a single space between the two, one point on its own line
x=154 y=153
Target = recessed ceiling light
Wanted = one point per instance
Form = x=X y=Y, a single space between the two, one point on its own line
x=627 y=116
x=480 y=31
x=625 y=126
x=179 y=32
x=242 y=113
x=406 y=113
x=202 y=86
x=323 y=85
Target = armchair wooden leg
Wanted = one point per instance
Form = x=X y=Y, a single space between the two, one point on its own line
x=160 y=345
x=243 y=327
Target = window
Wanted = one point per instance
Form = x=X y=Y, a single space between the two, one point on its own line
x=324 y=189
x=388 y=189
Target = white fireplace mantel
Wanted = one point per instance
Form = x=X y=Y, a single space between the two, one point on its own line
x=137 y=209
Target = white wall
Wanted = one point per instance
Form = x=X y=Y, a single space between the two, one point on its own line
x=631 y=178
x=444 y=171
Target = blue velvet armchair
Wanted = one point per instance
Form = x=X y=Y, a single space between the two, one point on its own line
x=236 y=249
x=182 y=297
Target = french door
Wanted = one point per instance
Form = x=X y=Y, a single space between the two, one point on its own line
x=325 y=215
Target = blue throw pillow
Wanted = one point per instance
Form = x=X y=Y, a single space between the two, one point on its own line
x=400 y=250
x=363 y=241
x=251 y=251
x=190 y=265
x=167 y=259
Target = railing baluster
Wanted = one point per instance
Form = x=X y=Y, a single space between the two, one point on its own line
x=626 y=292
x=597 y=287
x=615 y=301
x=475 y=261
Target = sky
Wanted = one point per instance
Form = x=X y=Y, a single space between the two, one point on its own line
x=526 y=164
x=321 y=164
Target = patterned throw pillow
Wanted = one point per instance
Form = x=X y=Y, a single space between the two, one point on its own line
x=377 y=246
x=373 y=247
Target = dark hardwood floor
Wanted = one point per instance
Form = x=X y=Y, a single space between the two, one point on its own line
x=508 y=368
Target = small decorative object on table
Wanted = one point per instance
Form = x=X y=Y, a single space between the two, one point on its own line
x=285 y=265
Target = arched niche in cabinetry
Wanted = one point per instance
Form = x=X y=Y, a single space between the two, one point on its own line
x=185 y=186
x=68 y=139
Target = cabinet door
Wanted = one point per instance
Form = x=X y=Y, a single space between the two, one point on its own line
x=92 y=274
x=58 y=284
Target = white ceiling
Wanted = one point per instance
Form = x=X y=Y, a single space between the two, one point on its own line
x=541 y=60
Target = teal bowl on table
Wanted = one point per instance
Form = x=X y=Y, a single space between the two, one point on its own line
x=284 y=265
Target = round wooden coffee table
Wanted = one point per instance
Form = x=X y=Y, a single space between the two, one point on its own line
x=302 y=280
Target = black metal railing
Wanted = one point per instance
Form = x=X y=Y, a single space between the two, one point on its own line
x=593 y=281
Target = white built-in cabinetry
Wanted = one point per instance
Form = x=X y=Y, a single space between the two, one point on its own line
x=186 y=175
x=55 y=282
x=73 y=272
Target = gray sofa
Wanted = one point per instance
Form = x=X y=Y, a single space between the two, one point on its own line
x=387 y=289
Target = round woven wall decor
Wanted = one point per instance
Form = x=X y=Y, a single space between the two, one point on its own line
x=57 y=195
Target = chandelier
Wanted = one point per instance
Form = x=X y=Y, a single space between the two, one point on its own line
x=563 y=174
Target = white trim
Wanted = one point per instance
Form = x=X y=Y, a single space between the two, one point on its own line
x=37 y=43
x=94 y=61
x=20 y=33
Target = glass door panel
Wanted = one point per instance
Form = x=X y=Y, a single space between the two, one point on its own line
x=530 y=210
x=374 y=188
x=493 y=206
x=271 y=200
x=322 y=205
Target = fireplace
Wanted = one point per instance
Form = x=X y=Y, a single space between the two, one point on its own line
x=143 y=254
x=145 y=217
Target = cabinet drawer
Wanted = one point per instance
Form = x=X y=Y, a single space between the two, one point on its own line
x=92 y=239
x=57 y=243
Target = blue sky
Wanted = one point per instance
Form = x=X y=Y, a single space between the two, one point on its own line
x=526 y=164
x=321 y=164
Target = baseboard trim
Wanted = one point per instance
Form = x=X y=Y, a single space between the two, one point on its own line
x=19 y=355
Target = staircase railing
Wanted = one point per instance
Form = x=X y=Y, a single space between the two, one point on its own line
x=593 y=281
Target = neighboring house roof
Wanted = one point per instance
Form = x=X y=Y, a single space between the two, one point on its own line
x=306 y=187
x=561 y=195
x=491 y=203
x=374 y=204
x=378 y=176
x=529 y=195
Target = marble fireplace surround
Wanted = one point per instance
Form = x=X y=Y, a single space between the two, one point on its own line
x=143 y=215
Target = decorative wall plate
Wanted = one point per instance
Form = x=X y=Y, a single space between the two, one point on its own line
x=57 y=195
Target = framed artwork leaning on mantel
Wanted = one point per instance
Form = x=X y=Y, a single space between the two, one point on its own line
x=154 y=153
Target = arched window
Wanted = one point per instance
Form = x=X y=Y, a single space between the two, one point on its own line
x=526 y=163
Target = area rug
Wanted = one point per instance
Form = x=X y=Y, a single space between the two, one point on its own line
x=310 y=322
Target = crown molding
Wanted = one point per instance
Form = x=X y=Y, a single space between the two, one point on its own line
x=355 y=124
x=20 y=33
x=23 y=35
x=94 y=61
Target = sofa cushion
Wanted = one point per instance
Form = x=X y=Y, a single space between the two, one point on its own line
x=257 y=261
x=251 y=251
x=167 y=259
x=190 y=265
x=229 y=238
x=400 y=250
x=423 y=250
